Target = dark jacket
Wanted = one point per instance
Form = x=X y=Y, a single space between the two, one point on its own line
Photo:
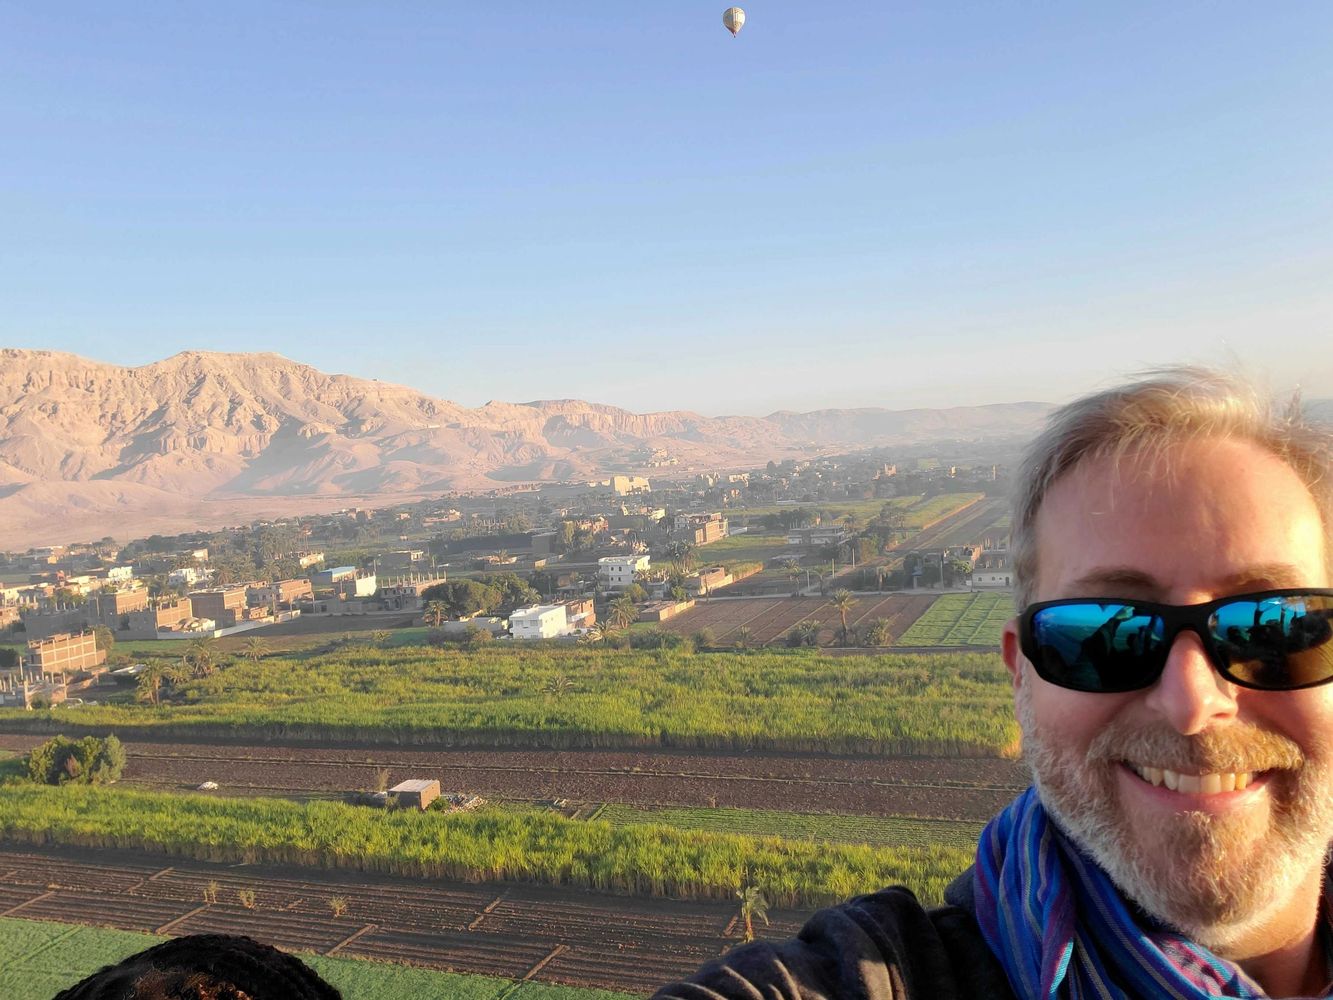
x=885 y=946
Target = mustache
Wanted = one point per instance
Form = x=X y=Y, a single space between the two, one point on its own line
x=1237 y=747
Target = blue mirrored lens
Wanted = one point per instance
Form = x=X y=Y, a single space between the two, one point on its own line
x=1098 y=647
x=1276 y=642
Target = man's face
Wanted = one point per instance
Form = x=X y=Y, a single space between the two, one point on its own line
x=1208 y=519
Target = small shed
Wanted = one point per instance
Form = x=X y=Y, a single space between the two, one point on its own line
x=419 y=793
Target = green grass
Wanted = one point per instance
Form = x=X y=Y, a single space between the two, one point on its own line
x=38 y=959
x=933 y=509
x=487 y=845
x=888 y=831
x=961 y=620
x=11 y=767
x=797 y=700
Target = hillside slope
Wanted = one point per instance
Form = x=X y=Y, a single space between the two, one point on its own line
x=80 y=437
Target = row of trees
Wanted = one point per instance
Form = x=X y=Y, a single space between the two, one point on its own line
x=463 y=598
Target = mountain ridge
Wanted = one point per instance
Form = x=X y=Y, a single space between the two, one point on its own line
x=235 y=427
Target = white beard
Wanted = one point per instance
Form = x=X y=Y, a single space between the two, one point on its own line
x=1214 y=878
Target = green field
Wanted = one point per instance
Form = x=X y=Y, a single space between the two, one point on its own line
x=38 y=959
x=888 y=831
x=918 y=510
x=487 y=845
x=796 y=700
x=961 y=620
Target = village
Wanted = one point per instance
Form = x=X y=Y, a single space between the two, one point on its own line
x=562 y=562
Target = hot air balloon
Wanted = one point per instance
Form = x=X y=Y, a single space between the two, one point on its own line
x=733 y=19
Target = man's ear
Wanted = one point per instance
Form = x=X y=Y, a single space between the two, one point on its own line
x=1013 y=656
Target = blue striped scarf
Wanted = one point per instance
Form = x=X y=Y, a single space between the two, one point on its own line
x=1061 y=929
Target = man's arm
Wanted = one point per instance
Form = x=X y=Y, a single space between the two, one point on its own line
x=883 y=946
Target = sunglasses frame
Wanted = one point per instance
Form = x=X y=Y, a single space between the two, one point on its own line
x=1176 y=618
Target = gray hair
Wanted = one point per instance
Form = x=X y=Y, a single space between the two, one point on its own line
x=1162 y=408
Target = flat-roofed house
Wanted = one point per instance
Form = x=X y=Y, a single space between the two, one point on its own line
x=65 y=653
x=224 y=605
x=617 y=572
x=543 y=621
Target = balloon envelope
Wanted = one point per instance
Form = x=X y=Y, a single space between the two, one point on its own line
x=733 y=18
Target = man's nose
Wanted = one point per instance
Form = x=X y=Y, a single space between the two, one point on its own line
x=1191 y=695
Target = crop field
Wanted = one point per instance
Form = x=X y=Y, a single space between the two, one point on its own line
x=830 y=828
x=770 y=619
x=965 y=525
x=511 y=934
x=487 y=845
x=39 y=958
x=571 y=696
x=975 y=619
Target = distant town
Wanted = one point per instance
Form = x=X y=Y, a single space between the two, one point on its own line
x=570 y=561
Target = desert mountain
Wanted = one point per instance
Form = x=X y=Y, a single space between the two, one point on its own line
x=87 y=447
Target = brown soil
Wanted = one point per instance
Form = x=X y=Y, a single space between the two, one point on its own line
x=950 y=788
x=509 y=930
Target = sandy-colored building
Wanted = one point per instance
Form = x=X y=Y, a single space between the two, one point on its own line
x=418 y=794
x=280 y=593
x=224 y=605
x=65 y=653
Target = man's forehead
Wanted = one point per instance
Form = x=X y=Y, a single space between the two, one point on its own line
x=1217 y=516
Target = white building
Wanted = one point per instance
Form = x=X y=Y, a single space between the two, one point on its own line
x=187 y=576
x=544 y=621
x=1001 y=577
x=120 y=574
x=617 y=572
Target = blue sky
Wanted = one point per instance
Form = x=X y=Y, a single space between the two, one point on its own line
x=849 y=205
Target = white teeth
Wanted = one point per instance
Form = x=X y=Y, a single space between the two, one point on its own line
x=1196 y=784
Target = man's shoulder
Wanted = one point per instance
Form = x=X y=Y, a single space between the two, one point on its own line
x=882 y=946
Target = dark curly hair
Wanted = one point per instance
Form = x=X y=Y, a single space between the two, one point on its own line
x=205 y=967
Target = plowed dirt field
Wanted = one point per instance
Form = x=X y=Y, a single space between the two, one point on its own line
x=946 y=788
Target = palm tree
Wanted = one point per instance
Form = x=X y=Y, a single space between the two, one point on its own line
x=805 y=634
x=681 y=554
x=843 y=602
x=753 y=905
x=598 y=633
x=557 y=685
x=255 y=649
x=150 y=683
x=156 y=674
x=623 y=612
x=793 y=567
x=436 y=612
x=202 y=656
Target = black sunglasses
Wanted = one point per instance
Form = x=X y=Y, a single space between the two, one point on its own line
x=1276 y=640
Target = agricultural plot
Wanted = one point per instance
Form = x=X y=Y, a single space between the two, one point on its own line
x=830 y=828
x=502 y=937
x=575 y=696
x=975 y=619
x=482 y=846
x=768 y=620
x=955 y=788
x=968 y=524
x=39 y=958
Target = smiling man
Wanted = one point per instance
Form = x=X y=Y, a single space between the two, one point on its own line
x=1170 y=664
